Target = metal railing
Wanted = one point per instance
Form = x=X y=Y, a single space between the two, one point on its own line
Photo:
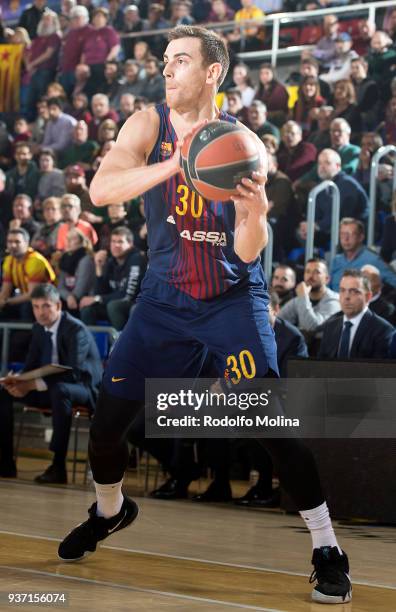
x=378 y=155
x=335 y=218
x=275 y=21
x=6 y=328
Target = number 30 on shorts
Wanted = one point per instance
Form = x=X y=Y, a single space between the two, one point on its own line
x=242 y=365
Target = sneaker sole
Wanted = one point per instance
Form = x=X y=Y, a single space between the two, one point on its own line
x=88 y=553
x=331 y=599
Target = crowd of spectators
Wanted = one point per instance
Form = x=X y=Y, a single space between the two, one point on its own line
x=83 y=76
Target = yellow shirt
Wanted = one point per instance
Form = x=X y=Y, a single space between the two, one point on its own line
x=252 y=12
x=33 y=268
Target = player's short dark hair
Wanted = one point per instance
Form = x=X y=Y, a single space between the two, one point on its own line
x=318 y=260
x=21 y=231
x=213 y=48
x=55 y=101
x=45 y=291
x=352 y=272
x=123 y=231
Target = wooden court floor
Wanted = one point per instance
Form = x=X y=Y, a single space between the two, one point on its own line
x=181 y=556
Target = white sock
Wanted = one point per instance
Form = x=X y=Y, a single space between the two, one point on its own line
x=319 y=524
x=110 y=499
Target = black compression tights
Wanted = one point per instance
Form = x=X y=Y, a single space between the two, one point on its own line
x=108 y=452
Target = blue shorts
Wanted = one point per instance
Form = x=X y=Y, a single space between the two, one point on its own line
x=169 y=334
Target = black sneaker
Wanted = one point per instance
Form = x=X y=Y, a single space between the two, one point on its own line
x=331 y=574
x=82 y=541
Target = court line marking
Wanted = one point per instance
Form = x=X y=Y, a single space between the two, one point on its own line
x=258 y=568
x=141 y=590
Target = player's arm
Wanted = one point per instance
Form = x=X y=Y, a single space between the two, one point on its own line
x=251 y=207
x=123 y=173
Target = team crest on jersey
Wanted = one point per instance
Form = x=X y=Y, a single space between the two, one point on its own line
x=166 y=149
x=171 y=219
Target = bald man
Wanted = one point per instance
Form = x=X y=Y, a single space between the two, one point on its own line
x=354 y=200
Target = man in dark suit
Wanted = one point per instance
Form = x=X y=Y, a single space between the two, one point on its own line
x=57 y=337
x=355 y=332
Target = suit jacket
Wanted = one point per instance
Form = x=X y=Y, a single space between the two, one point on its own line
x=76 y=348
x=290 y=343
x=371 y=341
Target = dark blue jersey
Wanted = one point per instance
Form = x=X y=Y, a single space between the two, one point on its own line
x=191 y=240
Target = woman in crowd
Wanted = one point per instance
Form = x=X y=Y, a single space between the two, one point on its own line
x=21 y=37
x=309 y=99
x=107 y=131
x=76 y=270
x=273 y=94
x=345 y=106
x=242 y=82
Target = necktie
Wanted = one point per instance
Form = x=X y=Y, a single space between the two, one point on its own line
x=46 y=353
x=343 y=349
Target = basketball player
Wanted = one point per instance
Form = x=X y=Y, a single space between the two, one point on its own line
x=196 y=296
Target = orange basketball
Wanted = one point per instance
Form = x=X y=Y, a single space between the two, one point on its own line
x=216 y=157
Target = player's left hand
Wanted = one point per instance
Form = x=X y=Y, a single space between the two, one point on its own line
x=251 y=193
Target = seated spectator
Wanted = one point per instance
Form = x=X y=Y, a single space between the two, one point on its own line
x=295 y=157
x=108 y=130
x=388 y=243
x=38 y=126
x=309 y=67
x=283 y=282
x=251 y=35
x=42 y=58
x=72 y=47
x=282 y=213
x=127 y=108
x=79 y=108
x=101 y=44
x=369 y=144
x=141 y=54
x=100 y=110
x=381 y=63
x=117 y=218
x=273 y=94
x=82 y=82
x=235 y=106
x=340 y=133
x=378 y=303
x=22 y=209
x=257 y=118
x=52 y=180
x=309 y=99
x=56 y=90
x=25 y=175
x=366 y=92
x=153 y=85
x=181 y=13
x=325 y=49
x=242 y=82
x=23 y=270
x=111 y=81
x=22 y=132
x=155 y=21
x=354 y=201
x=71 y=210
x=58 y=133
x=389 y=126
x=57 y=337
x=76 y=184
x=340 y=65
x=131 y=83
x=320 y=137
x=117 y=281
x=76 y=270
x=6 y=213
x=355 y=255
x=271 y=144
x=81 y=151
x=391 y=24
x=314 y=302
x=345 y=107
x=44 y=240
x=355 y=332
x=361 y=42
x=219 y=12
x=132 y=22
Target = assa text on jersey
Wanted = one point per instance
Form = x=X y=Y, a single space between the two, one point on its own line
x=215 y=238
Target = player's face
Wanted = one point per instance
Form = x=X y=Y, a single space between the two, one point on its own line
x=353 y=296
x=184 y=72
